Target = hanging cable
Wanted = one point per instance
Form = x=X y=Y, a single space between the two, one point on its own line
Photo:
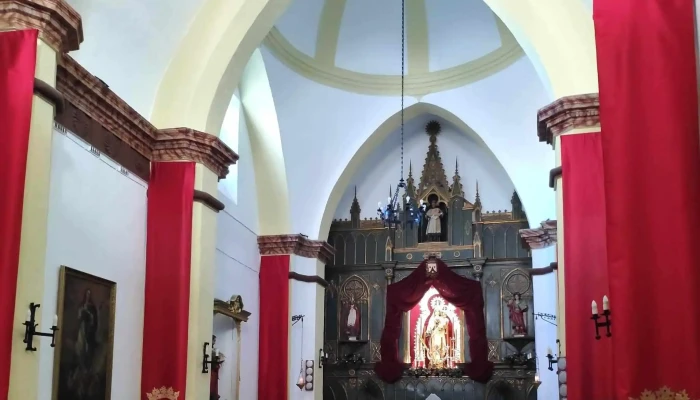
x=403 y=69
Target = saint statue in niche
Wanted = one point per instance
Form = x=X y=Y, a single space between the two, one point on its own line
x=353 y=323
x=435 y=223
x=518 y=315
x=436 y=337
x=436 y=334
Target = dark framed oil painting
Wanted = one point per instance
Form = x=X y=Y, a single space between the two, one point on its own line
x=84 y=346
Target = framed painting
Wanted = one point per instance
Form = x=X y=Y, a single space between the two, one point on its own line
x=85 y=341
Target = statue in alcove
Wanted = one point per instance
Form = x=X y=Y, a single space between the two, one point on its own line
x=518 y=315
x=353 y=324
x=435 y=220
x=437 y=338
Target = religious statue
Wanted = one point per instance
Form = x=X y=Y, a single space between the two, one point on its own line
x=434 y=229
x=354 y=321
x=518 y=315
x=437 y=339
x=215 y=367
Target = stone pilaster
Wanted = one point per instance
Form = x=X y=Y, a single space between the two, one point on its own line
x=60 y=30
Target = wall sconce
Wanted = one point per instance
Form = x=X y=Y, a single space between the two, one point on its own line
x=606 y=313
x=30 y=328
x=551 y=357
x=214 y=362
x=322 y=358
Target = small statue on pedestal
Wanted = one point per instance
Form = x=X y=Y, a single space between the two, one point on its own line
x=353 y=323
x=518 y=316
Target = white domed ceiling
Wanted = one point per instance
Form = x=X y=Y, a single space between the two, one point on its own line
x=355 y=45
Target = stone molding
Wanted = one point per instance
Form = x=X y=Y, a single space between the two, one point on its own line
x=297 y=245
x=540 y=238
x=93 y=97
x=58 y=23
x=571 y=112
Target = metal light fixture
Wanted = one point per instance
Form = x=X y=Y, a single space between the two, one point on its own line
x=30 y=326
x=606 y=313
x=553 y=359
x=215 y=359
x=391 y=213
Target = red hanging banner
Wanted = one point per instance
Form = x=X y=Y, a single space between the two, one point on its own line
x=17 y=64
x=275 y=320
x=586 y=266
x=168 y=264
x=651 y=152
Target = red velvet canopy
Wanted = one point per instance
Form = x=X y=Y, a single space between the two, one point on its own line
x=464 y=293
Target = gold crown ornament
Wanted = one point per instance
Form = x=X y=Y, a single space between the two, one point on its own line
x=665 y=393
x=163 y=394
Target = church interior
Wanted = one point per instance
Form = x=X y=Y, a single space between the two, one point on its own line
x=349 y=200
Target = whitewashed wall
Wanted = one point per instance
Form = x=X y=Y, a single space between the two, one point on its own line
x=97 y=224
x=382 y=168
x=238 y=261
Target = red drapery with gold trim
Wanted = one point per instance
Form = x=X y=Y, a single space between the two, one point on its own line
x=586 y=265
x=274 y=328
x=168 y=265
x=651 y=149
x=17 y=64
x=464 y=293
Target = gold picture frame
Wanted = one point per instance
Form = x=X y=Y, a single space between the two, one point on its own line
x=85 y=341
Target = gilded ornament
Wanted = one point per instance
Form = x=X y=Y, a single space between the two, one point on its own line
x=163 y=394
x=665 y=393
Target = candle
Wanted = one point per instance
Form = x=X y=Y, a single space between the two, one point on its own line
x=388 y=200
x=55 y=320
x=549 y=351
x=537 y=376
x=606 y=303
x=594 y=308
x=408 y=198
x=29 y=316
x=379 y=204
x=421 y=202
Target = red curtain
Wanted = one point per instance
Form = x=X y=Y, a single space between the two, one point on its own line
x=586 y=266
x=168 y=264
x=17 y=63
x=273 y=360
x=464 y=293
x=651 y=149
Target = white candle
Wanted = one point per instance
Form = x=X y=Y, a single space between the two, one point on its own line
x=549 y=351
x=537 y=376
x=421 y=202
x=55 y=320
x=29 y=316
x=408 y=198
x=388 y=200
x=594 y=308
x=379 y=204
x=606 y=303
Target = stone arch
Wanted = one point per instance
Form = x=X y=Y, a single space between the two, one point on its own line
x=208 y=65
x=209 y=62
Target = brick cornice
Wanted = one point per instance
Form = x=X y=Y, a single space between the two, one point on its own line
x=58 y=23
x=571 y=112
x=295 y=244
x=93 y=97
x=540 y=238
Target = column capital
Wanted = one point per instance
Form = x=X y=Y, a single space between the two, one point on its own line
x=58 y=23
x=295 y=244
x=540 y=238
x=188 y=144
x=100 y=117
x=567 y=113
